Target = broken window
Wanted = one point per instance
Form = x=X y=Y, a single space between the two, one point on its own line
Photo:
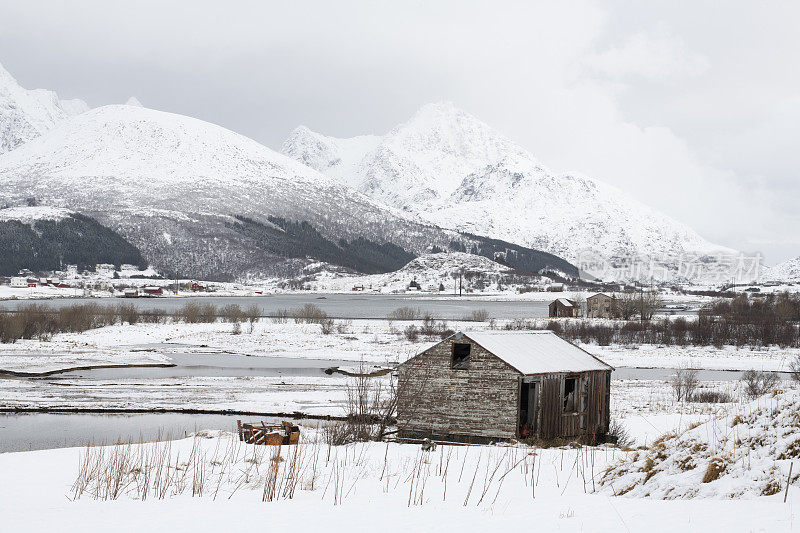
x=460 y=359
x=570 y=393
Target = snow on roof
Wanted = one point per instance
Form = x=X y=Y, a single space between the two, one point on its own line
x=537 y=352
x=600 y=294
x=565 y=302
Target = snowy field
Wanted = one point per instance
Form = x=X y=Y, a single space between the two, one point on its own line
x=212 y=482
x=370 y=341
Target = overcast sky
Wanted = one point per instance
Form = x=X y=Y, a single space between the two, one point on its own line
x=692 y=107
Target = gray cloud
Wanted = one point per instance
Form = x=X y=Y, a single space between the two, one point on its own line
x=696 y=115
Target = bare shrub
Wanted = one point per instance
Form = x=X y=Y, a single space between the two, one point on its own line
x=237 y=328
x=252 y=314
x=412 y=333
x=794 y=369
x=684 y=383
x=338 y=433
x=371 y=409
x=519 y=324
x=328 y=325
x=308 y=314
x=231 y=313
x=208 y=313
x=11 y=328
x=153 y=316
x=281 y=316
x=710 y=396
x=189 y=313
x=477 y=315
x=404 y=313
x=758 y=383
x=128 y=313
x=619 y=434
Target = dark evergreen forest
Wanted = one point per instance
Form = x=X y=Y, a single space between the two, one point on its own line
x=50 y=244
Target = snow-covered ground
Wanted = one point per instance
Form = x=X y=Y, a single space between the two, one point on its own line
x=212 y=482
x=741 y=453
x=372 y=341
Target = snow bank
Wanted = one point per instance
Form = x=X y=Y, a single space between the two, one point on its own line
x=745 y=454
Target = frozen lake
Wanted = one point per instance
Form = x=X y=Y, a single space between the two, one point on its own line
x=40 y=431
x=335 y=305
x=346 y=306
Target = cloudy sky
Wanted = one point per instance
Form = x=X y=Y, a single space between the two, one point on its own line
x=692 y=107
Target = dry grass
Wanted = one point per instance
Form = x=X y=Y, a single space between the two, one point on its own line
x=716 y=467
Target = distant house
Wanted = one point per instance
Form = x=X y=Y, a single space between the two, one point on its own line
x=602 y=306
x=19 y=282
x=562 y=307
x=484 y=386
x=130 y=293
x=153 y=291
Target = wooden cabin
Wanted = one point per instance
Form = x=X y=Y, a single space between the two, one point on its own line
x=562 y=307
x=602 y=306
x=498 y=385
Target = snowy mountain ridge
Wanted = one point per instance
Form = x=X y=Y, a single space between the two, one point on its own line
x=173 y=186
x=455 y=171
x=787 y=271
x=27 y=114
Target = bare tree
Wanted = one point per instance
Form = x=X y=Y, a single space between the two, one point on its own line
x=649 y=302
x=684 y=383
x=627 y=305
x=580 y=302
x=794 y=369
x=758 y=383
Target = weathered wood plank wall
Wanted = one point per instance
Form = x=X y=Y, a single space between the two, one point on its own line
x=481 y=401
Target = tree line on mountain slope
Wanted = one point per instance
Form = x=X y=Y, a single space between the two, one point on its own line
x=48 y=245
x=287 y=238
x=513 y=255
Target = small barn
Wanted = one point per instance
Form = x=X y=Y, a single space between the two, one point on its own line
x=562 y=307
x=602 y=306
x=495 y=385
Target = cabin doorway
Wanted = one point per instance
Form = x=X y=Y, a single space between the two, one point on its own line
x=528 y=409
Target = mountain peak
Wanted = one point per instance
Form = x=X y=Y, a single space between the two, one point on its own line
x=448 y=167
x=27 y=114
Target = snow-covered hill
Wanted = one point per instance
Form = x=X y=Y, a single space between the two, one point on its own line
x=455 y=171
x=27 y=114
x=171 y=185
x=786 y=271
x=429 y=271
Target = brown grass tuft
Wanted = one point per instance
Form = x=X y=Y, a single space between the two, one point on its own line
x=715 y=469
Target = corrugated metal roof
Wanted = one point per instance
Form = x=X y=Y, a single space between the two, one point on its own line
x=537 y=352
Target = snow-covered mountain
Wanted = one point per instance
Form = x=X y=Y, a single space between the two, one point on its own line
x=172 y=184
x=786 y=271
x=27 y=114
x=455 y=171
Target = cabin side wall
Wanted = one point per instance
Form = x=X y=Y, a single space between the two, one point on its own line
x=435 y=400
x=593 y=415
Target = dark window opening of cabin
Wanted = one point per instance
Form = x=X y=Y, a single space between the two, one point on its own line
x=460 y=359
x=570 y=392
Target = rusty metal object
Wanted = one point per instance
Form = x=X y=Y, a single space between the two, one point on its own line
x=270 y=435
